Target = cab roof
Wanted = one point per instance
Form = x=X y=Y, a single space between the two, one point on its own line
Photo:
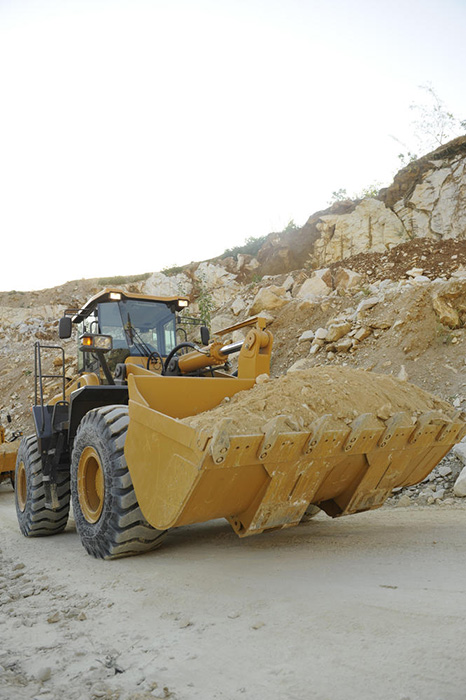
x=115 y=294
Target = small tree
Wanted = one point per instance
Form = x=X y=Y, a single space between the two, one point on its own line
x=338 y=196
x=205 y=301
x=432 y=126
x=291 y=226
x=370 y=191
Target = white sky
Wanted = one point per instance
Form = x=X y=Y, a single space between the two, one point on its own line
x=139 y=134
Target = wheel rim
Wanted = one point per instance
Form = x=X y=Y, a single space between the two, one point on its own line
x=21 y=487
x=90 y=485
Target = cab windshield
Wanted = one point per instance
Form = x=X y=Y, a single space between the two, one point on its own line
x=137 y=328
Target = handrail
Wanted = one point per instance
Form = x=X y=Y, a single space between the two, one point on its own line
x=39 y=376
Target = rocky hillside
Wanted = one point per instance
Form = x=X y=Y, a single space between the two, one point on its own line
x=426 y=199
x=377 y=284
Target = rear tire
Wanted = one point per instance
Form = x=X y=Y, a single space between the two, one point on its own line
x=34 y=518
x=107 y=514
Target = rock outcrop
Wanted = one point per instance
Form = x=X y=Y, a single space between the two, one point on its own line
x=427 y=199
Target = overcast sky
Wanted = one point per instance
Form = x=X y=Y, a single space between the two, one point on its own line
x=139 y=134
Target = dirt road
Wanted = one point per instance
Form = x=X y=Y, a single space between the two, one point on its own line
x=370 y=606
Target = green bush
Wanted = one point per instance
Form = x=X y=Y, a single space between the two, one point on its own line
x=104 y=281
x=173 y=270
x=251 y=246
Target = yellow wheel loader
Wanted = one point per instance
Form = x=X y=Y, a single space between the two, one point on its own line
x=142 y=441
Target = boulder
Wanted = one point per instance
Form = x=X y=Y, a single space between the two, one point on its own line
x=159 y=284
x=459 y=488
x=288 y=283
x=308 y=305
x=421 y=279
x=447 y=315
x=213 y=275
x=366 y=304
x=460 y=450
x=253 y=264
x=268 y=299
x=319 y=284
x=321 y=334
x=347 y=279
x=449 y=301
x=344 y=345
x=337 y=330
x=298 y=366
x=362 y=333
x=460 y=272
x=238 y=306
x=219 y=283
x=307 y=335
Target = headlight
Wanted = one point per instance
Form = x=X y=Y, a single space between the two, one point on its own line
x=90 y=341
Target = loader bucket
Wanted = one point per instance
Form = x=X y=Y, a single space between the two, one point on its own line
x=268 y=478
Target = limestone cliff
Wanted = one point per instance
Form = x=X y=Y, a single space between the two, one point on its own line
x=427 y=199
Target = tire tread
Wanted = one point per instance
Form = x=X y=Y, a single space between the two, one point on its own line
x=37 y=520
x=122 y=529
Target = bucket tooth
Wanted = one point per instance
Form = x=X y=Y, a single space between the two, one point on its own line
x=326 y=437
x=399 y=429
x=428 y=424
x=220 y=443
x=450 y=432
x=281 y=436
x=376 y=484
x=431 y=439
x=365 y=431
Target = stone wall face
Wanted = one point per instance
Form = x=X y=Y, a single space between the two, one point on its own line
x=437 y=206
x=371 y=226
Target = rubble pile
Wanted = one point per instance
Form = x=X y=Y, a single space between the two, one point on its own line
x=445 y=486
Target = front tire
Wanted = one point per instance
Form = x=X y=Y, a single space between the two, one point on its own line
x=34 y=518
x=107 y=514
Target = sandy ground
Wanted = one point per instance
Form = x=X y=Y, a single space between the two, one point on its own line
x=369 y=606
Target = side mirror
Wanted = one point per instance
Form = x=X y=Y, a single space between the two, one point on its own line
x=64 y=327
x=205 y=335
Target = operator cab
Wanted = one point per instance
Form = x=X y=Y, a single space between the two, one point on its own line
x=140 y=327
